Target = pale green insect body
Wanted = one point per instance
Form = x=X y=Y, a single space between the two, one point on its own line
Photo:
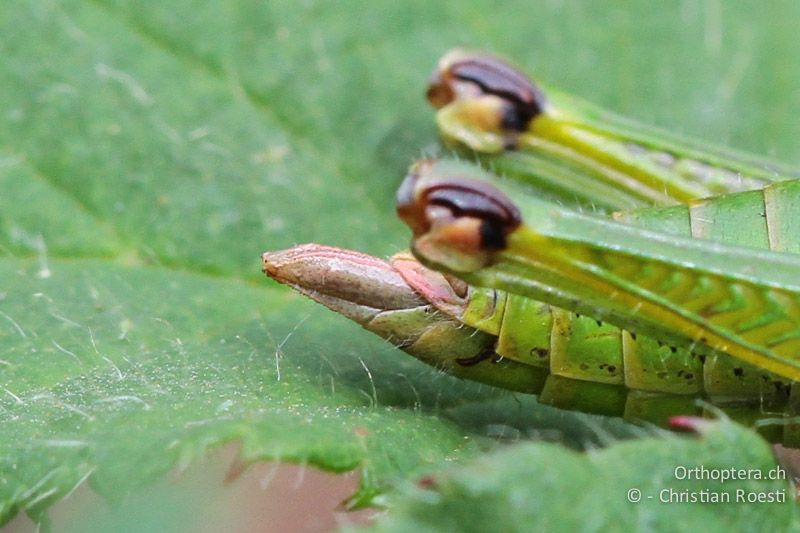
x=579 y=347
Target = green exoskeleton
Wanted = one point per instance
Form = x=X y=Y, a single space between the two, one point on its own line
x=574 y=151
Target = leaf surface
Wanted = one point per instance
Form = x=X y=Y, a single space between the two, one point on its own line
x=150 y=151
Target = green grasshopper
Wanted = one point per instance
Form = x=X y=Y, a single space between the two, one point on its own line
x=514 y=342
x=716 y=299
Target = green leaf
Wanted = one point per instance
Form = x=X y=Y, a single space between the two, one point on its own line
x=150 y=151
x=727 y=480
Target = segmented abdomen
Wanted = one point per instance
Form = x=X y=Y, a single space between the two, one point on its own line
x=597 y=367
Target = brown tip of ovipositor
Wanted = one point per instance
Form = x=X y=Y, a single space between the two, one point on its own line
x=346 y=275
x=268 y=267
